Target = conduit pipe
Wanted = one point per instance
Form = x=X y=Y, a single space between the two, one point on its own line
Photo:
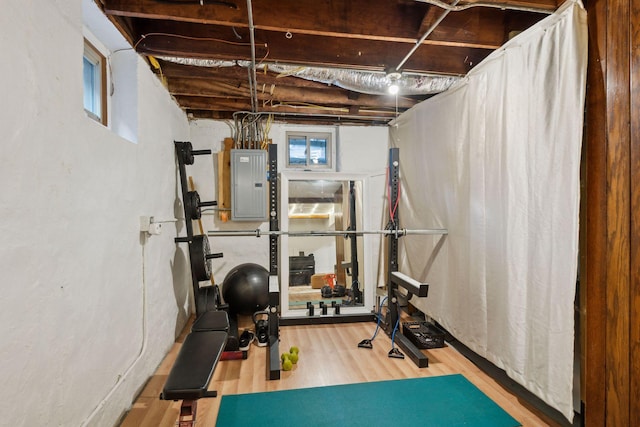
x=424 y=37
x=504 y=6
x=252 y=73
x=453 y=7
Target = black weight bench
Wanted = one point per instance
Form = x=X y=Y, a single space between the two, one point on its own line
x=193 y=369
x=215 y=320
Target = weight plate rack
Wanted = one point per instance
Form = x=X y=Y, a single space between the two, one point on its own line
x=199 y=250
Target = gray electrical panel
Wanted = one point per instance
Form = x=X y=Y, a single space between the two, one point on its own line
x=248 y=185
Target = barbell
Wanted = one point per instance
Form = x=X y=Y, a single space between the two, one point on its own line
x=259 y=233
x=201 y=256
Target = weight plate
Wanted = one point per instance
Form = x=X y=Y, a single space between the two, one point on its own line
x=198 y=251
x=187 y=153
x=207 y=299
x=192 y=205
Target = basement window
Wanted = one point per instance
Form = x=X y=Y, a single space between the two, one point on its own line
x=309 y=150
x=94 y=71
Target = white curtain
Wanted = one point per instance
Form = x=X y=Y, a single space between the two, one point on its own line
x=496 y=161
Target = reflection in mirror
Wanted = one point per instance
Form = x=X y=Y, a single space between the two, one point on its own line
x=324 y=267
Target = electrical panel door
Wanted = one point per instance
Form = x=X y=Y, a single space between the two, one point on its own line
x=248 y=185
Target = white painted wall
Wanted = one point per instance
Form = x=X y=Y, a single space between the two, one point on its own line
x=89 y=307
x=359 y=150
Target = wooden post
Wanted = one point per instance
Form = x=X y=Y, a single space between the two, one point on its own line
x=611 y=282
x=224 y=180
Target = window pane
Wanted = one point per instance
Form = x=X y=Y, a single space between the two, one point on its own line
x=88 y=76
x=317 y=151
x=93 y=80
x=297 y=150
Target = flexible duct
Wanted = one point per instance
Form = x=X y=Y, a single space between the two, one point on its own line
x=368 y=82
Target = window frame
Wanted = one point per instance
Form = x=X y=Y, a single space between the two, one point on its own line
x=308 y=136
x=99 y=61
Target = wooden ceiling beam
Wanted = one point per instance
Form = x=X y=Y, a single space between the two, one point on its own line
x=372 y=35
x=209 y=43
x=381 y=20
x=387 y=20
x=309 y=119
x=191 y=104
x=473 y=28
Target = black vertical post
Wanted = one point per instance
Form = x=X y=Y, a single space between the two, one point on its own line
x=273 y=356
x=184 y=150
x=273 y=209
x=355 y=280
x=180 y=154
x=394 y=182
x=393 y=316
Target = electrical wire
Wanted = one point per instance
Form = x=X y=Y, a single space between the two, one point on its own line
x=393 y=334
x=141 y=352
x=379 y=318
x=201 y=3
x=267 y=129
x=392 y=211
x=180 y=36
x=266 y=45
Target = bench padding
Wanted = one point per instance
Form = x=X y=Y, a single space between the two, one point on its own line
x=192 y=371
x=211 y=321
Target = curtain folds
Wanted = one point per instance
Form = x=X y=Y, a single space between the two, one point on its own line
x=496 y=161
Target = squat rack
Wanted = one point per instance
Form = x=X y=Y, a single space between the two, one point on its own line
x=394 y=280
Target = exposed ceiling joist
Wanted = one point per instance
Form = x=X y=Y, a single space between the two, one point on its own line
x=363 y=35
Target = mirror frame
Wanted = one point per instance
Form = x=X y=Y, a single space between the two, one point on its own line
x=367 y=270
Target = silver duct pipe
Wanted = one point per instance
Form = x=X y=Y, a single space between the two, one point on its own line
x=368 y=82
x=199 y=62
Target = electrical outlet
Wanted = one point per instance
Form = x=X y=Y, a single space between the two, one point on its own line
x=155 y=228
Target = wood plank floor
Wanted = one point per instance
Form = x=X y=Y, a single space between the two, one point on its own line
x=329 y=355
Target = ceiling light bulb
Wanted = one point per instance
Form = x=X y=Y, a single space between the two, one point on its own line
x=393 y=78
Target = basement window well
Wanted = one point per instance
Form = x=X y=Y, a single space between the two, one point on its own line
x=94 y=70
x=309 y=150
x=109 y=74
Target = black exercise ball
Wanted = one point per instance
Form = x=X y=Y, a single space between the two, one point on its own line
x=246 y=289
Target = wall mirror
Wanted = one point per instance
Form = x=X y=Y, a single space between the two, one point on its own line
x=317 y=261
